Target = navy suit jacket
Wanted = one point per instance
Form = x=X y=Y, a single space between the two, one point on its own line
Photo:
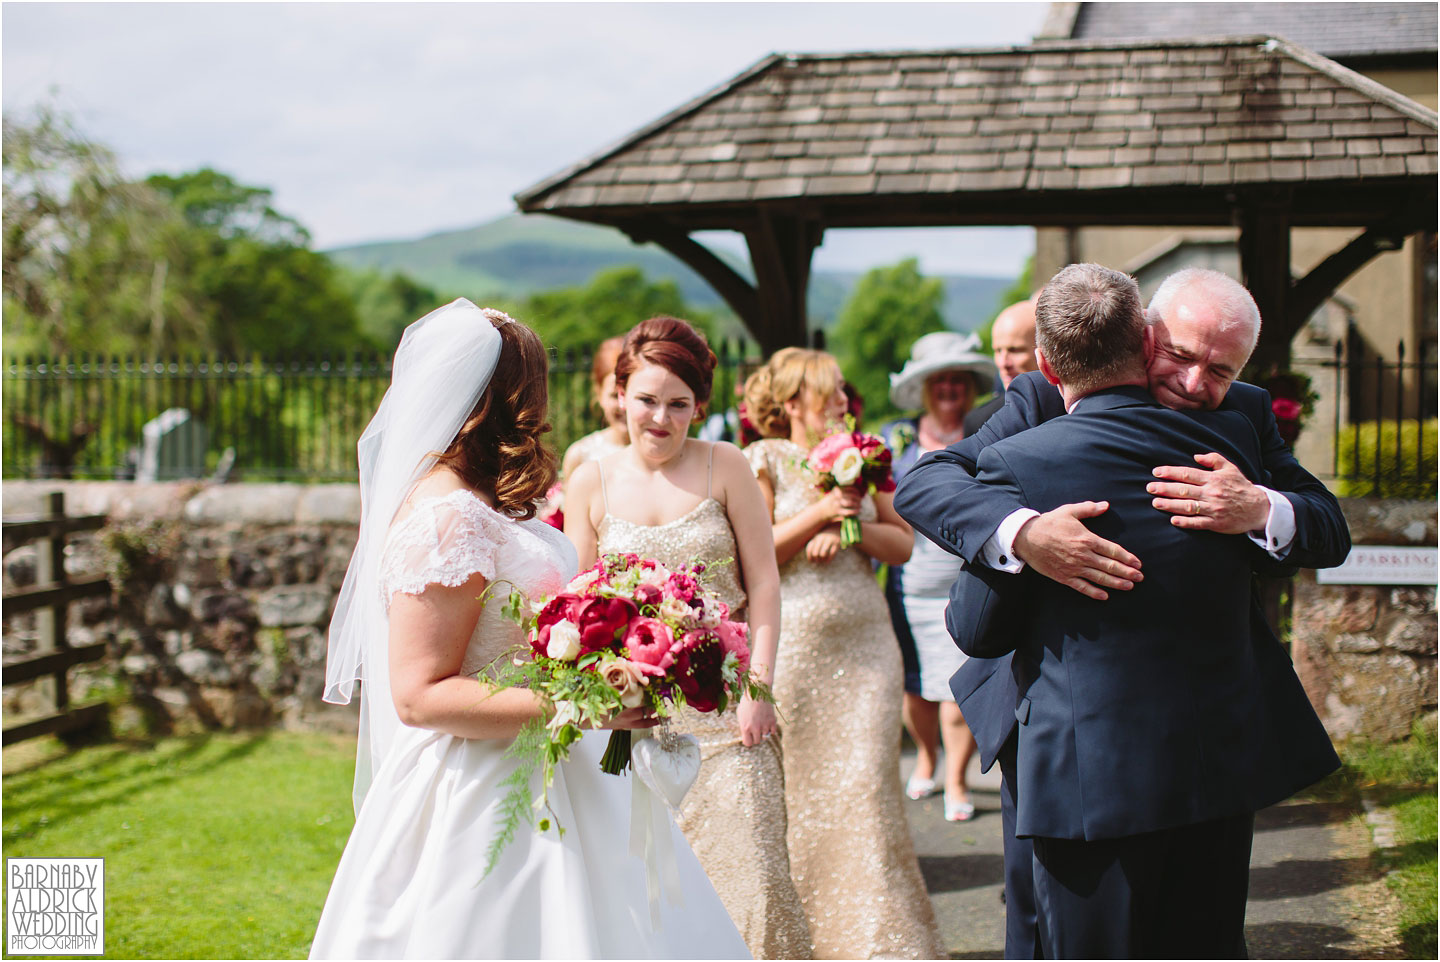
x=1138 y=713
x=942 y=501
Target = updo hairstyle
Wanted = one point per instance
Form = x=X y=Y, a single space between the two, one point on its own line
x=607 y=353
x=498 y=451
x=789 y=371
x=675 y=345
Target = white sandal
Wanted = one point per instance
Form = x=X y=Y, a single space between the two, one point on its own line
x=958 y=811
x=918 y=788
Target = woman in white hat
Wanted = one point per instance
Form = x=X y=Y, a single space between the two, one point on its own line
x=942 y=378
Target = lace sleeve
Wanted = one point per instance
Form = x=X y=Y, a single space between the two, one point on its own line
x=443 y=541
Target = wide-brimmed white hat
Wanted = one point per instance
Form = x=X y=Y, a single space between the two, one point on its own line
x=933 y=353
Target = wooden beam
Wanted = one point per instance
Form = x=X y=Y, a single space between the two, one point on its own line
x=67 y=721
x=1310 y=291
x=52 y=662
x=736 y=290
x=19 y=532
x=42 y=596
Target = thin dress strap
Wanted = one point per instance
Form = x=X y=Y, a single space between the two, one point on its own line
x=710 y=472
x=604 y=498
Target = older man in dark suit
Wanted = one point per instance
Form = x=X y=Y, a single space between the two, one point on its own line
x=1194 y=315
x=1144 y=725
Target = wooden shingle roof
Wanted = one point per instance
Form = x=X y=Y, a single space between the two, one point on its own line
x=1368 y=31
x=1037 y=134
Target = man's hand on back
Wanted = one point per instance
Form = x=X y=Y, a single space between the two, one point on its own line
x=1213 y=497
x=1059 y=546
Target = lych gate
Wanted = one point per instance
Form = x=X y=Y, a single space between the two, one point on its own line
x=1251 y=132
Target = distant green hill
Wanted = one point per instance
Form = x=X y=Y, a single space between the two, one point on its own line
x=517 y=255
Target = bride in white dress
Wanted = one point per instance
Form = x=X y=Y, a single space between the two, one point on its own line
x=449 y=470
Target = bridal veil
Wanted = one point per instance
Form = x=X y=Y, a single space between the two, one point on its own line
x=441 y=369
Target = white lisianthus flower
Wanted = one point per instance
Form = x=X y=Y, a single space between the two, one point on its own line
x=564 y=641
x=565 y=714
x=584 y=580
x=848 y=465
x=653 y=576
x=676 y=612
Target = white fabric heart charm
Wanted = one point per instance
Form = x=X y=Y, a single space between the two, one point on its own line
x=668 y=765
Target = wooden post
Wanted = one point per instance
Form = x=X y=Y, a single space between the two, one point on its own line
x=50 y=569
x=1265 y=269
x=781 y=246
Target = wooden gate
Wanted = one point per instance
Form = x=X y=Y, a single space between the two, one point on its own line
x=49 y=599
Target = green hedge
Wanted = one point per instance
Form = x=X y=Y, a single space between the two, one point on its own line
x=1415 y=476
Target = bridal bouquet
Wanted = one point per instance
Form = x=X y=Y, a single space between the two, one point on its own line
x=851 y=459
x=626 y=632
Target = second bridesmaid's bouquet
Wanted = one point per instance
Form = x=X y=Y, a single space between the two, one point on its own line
x=851 y=459
x=627 y=632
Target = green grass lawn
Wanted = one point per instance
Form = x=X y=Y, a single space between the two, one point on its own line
x=215 y=846
x=1400 y=778
x=1411 y=868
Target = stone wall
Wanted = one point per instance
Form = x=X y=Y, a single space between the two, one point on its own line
x=225 y=595
x=228 y=590
x=1366 y=653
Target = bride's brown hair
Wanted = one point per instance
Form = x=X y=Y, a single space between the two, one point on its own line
x=499 y=451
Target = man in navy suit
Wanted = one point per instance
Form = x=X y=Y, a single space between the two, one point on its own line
x=1145 y=734
x=1193 y=366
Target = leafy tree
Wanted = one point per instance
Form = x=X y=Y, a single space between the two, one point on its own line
x=89 y=257
x=191 y=263
x=1021 y=290
x=265 y=290
x=888 y=310
x=386 y=303
x=614 y=301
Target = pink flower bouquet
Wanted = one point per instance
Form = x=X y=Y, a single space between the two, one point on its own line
x=627 y=632
x=851 y=459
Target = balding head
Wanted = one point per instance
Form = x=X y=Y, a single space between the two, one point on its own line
x=1012 y=338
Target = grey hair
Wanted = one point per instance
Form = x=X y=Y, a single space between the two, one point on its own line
x=1090 y=326
x=1230 y=297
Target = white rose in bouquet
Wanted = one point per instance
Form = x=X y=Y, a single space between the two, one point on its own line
x=848 y=465
x=564 y=641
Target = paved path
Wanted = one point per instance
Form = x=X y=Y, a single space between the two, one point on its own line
x=1296 y=874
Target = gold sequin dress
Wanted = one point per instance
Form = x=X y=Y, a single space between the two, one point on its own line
x=838 y=684
x=734 y=815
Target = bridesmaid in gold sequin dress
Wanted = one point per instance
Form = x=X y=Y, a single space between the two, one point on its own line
x=676 y=499
x=838 y=681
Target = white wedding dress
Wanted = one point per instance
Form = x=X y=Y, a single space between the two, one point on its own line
x=409 y=884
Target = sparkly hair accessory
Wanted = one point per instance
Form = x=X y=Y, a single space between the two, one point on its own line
x=497 y=317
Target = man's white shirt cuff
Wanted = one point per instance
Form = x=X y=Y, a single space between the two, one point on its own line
x=1279 y=531
x=999 y=551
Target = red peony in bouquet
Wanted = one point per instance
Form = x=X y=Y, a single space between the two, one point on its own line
x=626 y=632
x=851 y=459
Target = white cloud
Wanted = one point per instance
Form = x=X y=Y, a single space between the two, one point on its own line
x=380 y=120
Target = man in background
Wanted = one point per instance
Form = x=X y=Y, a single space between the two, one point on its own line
x=1012 y=340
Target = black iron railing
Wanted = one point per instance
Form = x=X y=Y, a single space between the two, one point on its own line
x=262 y=419
x=1383 y=421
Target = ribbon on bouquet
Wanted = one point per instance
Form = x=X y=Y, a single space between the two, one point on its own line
x=664 y=768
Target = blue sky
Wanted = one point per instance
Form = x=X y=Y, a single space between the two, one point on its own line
x=379 y=121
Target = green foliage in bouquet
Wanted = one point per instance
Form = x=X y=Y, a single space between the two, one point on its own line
x=593 y=701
